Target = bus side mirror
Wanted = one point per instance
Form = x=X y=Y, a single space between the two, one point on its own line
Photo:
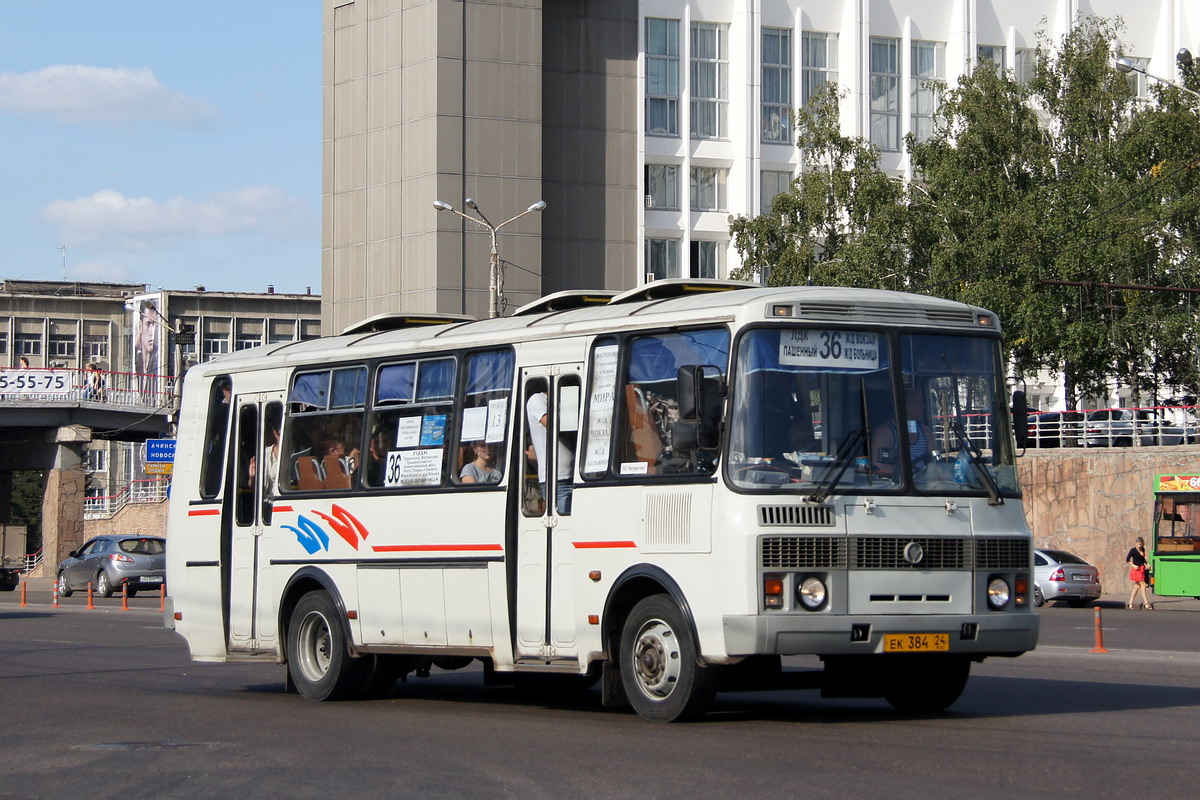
x=1020 y=418
x=701 y=392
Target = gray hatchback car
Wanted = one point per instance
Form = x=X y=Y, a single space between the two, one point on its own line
x=107 y=562
x=1059 y=575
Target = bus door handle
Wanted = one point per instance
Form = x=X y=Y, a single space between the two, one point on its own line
x=550 y=521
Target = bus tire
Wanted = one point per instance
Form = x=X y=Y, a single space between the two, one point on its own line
x=925 y=685
x=318 y=661
x=660 y=663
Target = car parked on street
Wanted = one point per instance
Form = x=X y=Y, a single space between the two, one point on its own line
x=1056 y=429
x=108 y=562
x=1059 y=575
x=1119 y=427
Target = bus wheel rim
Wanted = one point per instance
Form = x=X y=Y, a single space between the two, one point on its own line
x=656 y=661
x=316 y=646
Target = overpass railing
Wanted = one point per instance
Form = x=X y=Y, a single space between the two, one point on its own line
x=152 y=490
x=43 y=385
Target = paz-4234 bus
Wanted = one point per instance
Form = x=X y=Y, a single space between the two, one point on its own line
x=667 y=491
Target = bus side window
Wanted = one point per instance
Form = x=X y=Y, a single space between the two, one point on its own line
x=216 y=430
x=411 y=424
x=324 y=438
x=483 y=429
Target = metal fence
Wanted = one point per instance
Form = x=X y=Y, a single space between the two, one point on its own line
x=1144 y=426
x=69 y=385
x=152 y=490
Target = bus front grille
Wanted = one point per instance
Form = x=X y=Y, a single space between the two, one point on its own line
x=806 y=515
x=909 y=552
x=803 y=552
x=1002 y=553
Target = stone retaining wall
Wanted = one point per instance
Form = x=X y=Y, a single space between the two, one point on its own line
x=1094 y=502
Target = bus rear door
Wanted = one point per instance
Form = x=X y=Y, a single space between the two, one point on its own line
x=545 y=618
x=251 y=621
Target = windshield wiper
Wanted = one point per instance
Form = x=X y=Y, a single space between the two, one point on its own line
x=973 y=455
x=838 y=468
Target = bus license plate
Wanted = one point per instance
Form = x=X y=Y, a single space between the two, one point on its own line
x=915 y=642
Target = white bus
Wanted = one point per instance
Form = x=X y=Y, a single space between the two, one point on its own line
x=667 y=490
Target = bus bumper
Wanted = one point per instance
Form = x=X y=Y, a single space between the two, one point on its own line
x=1001 y=634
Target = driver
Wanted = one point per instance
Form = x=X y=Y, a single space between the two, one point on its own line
x=885 y=440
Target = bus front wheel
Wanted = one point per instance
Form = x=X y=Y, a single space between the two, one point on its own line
x=660 y=663
x=318 y=661
x=925 y=684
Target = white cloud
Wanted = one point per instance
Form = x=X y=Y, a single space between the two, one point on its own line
x=110 y=219
x=109 y=95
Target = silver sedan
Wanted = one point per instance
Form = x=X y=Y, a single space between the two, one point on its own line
x=1059 y=575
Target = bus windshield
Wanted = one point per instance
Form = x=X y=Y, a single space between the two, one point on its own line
x=816 y=411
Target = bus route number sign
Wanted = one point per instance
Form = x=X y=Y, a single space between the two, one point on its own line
x=842 y=349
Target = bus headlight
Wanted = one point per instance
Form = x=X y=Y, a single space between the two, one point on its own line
x=998 y=593
x=812 y=593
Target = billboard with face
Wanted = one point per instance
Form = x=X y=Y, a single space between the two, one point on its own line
x=148 y=317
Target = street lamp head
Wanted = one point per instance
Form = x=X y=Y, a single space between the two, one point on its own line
x=471 y=204
x=1126 y=65
x=440 y=206
x=538 y=206
x=1184 y=58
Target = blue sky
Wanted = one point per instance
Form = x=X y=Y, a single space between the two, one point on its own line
x=166 y=142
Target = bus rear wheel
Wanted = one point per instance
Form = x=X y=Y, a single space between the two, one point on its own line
x=660 y=663
x=925 y=684
x=318 y=660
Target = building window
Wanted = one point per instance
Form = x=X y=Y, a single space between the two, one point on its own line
x=662 y=258
x=991 y=54
x=773 y=183
x=1138 y=82
x=215 y=345
x=662 y=186
x=885 y=93
x=708 y=188
x=710 y=80
x=28 y=344
x=246 y=341
x=777 y=85
x=61 y=346
x=926 y=71
x=1026 y=63
x=95 y=348
x=706 y=259
x=818 y=63
x=662 y=76
x=95 y=460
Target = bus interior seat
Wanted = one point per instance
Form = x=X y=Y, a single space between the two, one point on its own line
x=337 y=476
x=647 y=444
x=308 y=473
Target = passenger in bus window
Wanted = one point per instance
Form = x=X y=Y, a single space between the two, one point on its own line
x=885 y=441
x=338 y=465
x=377 y=450
x=480 y=469
x=271 y=477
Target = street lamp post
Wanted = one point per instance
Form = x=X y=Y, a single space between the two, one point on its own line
x=1183 y=58
x=494 y=279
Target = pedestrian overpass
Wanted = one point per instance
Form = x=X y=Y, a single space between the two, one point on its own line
x=47 y=416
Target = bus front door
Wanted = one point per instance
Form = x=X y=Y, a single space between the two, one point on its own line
x=251 y=622
x=545 y=618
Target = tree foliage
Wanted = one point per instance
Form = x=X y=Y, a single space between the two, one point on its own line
x=1043 y=202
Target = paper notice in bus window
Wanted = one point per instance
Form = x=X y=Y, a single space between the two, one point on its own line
x=433 y=430
x=635 y=467
x=829 y=349
x=600 y=408
x=497 y=420
x=414 y=468
x=474 y=423
x=409 y=432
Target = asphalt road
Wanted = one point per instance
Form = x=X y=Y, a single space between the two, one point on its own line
x=105 y=703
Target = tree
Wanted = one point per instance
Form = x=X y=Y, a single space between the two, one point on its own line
x=1039 y=202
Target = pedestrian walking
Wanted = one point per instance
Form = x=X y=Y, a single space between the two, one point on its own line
x=1139 y=567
